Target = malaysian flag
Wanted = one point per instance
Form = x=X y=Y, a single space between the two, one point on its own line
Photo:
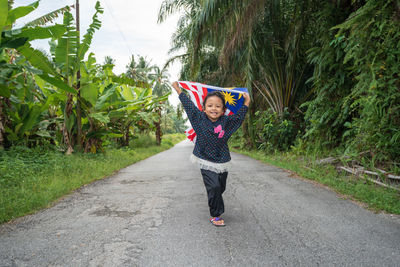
x=234 y=99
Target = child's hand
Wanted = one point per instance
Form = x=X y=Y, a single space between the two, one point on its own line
x=176 y=87
x=247 y=100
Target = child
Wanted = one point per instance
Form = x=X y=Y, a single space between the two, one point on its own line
x=211 y=151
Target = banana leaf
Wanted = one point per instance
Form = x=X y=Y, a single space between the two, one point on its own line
x=127 y=92
x=31 y=120
x=54 y=32
x=100 y=117
x=107 y=93
x=90 y=92
x=87 y=38
x=122 y=79
x=4 y=15
x=58 y=83
x=19 y=12
x=66 y=50
x=13 y=42
x=37 y=59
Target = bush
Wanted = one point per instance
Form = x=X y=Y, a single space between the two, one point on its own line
x=274 y=132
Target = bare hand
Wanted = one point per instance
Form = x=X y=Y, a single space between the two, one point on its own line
x=176 y=87
x=247 y=99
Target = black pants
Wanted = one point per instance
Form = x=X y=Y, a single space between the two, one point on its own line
x=215 y=185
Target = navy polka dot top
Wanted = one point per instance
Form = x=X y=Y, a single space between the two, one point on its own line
x=212 y=137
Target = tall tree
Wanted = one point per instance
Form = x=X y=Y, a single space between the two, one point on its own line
x=161 y=87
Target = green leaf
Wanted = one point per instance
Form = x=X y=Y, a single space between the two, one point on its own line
x=19 y=12
x=89 y=92
x=66 y=50
x=108 y=91
x=40 y=82
x=70 y=121
x=44 y=133
x=4 y=91
x=54 y=32
x=31 y=120
x=100 y=117
x=58 y=83
x=122 y=79
x=13 y=42
x=87 y=38
x=128 y=92
x=4 y=15
x=37 y=59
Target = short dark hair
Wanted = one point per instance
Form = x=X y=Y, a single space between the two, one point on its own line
x=215 y=93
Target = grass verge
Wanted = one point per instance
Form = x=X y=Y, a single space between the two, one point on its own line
x=375 y=197
x=31 y=179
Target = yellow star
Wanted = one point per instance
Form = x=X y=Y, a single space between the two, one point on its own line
x=229 y=98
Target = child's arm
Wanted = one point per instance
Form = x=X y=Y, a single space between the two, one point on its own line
x=235 y=120
x=176 y=87
x=191 y=110
x=247 y=100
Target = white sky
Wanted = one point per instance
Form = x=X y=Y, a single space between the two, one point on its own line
x=128 y=27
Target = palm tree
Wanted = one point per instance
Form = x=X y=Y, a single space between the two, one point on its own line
x=139 y=71
x=109 y=60
x=161 y=83
x=161 y=87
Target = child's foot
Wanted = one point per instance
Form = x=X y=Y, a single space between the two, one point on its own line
x=217 y=221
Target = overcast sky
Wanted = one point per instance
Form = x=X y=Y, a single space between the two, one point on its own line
x=128 y=27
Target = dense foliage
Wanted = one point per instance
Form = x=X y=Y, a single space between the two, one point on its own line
x=67 y=99
x=323 y=74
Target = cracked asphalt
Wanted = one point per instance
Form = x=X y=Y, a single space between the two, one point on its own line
x=154 y=213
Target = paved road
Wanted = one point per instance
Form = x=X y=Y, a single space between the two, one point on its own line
x=154 y=213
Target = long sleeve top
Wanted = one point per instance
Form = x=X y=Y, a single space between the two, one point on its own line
x=212 y=137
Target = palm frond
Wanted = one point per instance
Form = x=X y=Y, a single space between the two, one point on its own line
x=173 y=59
x=169 y=7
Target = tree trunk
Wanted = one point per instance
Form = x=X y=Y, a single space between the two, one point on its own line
x=66 y=133
x=158 y=128
x=2 y=130
x=78 y=85
x=126 y=141
x=79 y=114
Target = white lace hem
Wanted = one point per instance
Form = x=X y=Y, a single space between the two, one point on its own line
x=211 y=166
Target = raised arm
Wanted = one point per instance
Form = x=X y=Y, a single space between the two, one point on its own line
x=192 y=111
x=176 y=87
x=247 y=100
x=235 y=120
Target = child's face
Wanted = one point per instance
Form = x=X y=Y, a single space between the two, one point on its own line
x=214 y=108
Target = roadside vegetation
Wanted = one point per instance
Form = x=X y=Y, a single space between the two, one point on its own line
x=366 y=193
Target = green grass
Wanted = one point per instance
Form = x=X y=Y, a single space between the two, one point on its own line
x=32 y=179
x=375 y=197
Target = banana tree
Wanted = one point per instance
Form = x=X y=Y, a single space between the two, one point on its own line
x=12 y=67
x=111 y=104
x=68 y=54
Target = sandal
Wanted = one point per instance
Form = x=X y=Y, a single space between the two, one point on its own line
x=217 y=221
